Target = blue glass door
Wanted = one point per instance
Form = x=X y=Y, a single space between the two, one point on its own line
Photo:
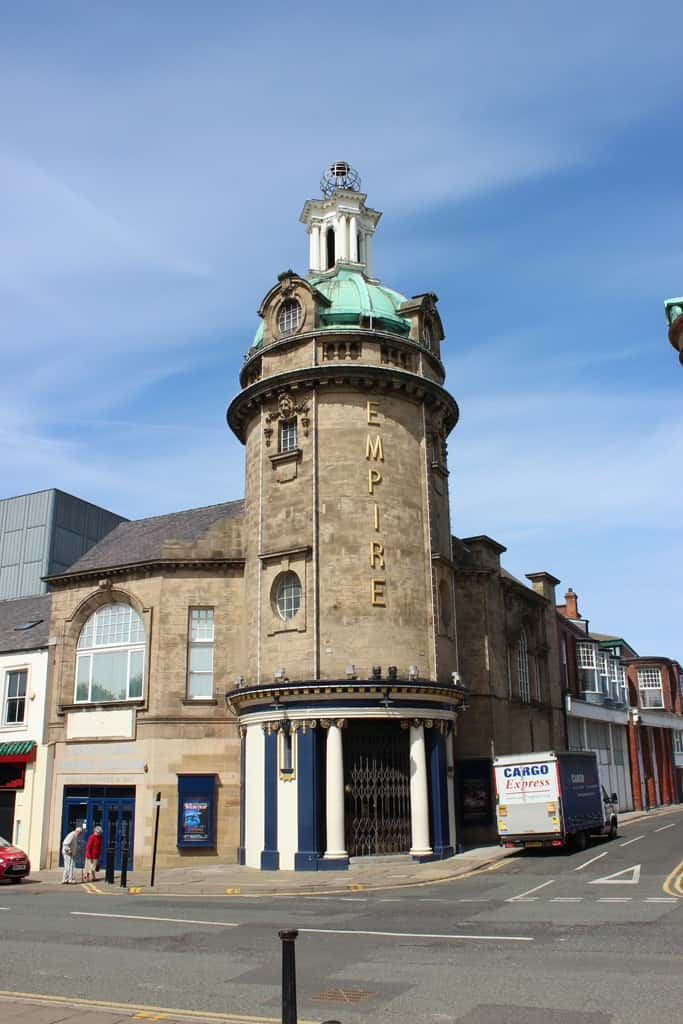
x=110 y=807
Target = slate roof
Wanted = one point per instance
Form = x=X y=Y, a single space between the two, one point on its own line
x=18 y=613
x=143 y=540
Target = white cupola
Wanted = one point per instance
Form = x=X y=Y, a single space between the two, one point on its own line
x=340 y=226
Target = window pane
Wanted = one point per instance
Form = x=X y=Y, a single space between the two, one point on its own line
x=289 y=595
x=137 y=630
x=201 y=624
x=85 y=639
x=135 y=683
x=82 y=676
x=109 y=672
x=16 y=686
x=200 y=684
x=201 y=658
x=112 y=624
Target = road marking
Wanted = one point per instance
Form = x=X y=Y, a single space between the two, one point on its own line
x=614 y=899
x=391 y=899
x=174 y=1012
x=674 y=879
x=566 y=899
x=591 y=861
x=523 y=895
x=663 y=828
x=420 y=935
x=482 y=899
x=661 y=899
x=170 y=920
x=618 y=879
x=629 y=841
x=432 y=900
x=4 y=908
x=353 y=899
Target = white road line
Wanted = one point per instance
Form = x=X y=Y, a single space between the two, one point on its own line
x=663 y=827
x=566 y=899
x=4 y=908
x=426 y=899
x=171 y=920
x=614 y=899
x=319 y=897
x=353 y=899
x=484 y=899
x=522 y=895
x=391 y=899
x=591 y=861
x=629 y=841
x=420 y=935
x=661 y=899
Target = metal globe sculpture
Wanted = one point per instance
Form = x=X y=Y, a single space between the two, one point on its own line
x=339 y=175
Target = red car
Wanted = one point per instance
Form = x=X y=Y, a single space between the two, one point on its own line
x=14 y=864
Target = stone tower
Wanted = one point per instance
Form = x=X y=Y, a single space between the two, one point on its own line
x=674 y=318
x=349 y=596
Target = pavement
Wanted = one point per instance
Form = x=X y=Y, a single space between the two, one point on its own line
x=226 y=880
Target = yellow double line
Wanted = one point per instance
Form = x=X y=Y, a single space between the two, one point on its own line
x=673 y=884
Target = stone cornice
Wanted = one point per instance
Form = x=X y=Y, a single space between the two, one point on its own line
x=278 y=694
x=130 y=568
x=364 y=376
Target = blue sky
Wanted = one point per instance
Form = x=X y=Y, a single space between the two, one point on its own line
x=154 y=159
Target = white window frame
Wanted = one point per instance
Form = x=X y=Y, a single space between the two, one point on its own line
x=289 y=316
x=288 y=595
x=623 y=685
x=6 y=698
x=200 y=636
x=287 y=435
x=585 y=654
x=89 y=647
x=650 y=682
x=522 y=657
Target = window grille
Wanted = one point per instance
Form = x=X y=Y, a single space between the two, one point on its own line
x=523 y=669
x=287 y=436
x=289 y=316
x=650 y=686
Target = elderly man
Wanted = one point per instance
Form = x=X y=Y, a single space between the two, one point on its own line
x=70 y=844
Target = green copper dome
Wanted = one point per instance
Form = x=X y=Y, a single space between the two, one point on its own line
x=355 y=302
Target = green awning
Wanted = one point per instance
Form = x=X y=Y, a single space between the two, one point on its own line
x=23 y=751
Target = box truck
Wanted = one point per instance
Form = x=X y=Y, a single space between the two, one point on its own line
x=552 y=799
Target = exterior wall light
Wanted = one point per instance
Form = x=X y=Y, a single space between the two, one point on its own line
x=392 y=672
x=455 y=677
x=280 y=675
x=239 y=681
x=376 y=671
x=413 y=672
x=351 y=672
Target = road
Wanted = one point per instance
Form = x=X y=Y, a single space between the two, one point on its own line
x=587 y=938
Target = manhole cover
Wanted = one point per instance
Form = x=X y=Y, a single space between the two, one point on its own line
x=343 y=995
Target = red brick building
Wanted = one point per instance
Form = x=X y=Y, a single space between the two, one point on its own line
x=655 y=730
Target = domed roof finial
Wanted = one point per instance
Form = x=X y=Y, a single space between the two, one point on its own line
x=340 y=174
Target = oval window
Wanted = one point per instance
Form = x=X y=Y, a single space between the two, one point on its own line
x=289 y=316
x=287 y=595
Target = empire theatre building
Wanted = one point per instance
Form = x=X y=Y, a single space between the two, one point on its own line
x=348 y=695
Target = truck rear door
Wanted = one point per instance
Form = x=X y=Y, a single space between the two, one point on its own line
x=527 y=798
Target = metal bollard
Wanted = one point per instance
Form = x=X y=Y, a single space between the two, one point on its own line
x=109 y=865
x=124 y=865
x=289 y=1015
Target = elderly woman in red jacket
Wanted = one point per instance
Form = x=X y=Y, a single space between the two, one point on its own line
x=93 y=848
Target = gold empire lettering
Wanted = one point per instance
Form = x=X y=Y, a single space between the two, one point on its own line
x=374 y=450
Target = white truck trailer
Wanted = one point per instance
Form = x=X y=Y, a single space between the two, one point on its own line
x=552 y=799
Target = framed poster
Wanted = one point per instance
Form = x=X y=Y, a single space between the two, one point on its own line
x=196 y=810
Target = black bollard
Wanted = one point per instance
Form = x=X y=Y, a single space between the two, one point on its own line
x=109 y=865
x=289 y=1015
x=124 y=865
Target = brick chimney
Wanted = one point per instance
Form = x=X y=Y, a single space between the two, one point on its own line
x=571 y=607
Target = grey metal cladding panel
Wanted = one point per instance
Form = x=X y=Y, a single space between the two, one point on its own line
x=15 y=513
x=67 y=547
x=37 y=508
x=35 y=540
x=29 y=579
x=11 y=547
x=9 y=582
x=70 y=513
x=100 y=523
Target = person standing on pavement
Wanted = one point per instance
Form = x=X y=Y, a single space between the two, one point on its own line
x=93 y=848
x=69 y=849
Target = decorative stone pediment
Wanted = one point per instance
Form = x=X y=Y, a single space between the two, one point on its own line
x=425 y=323
x=290 y=290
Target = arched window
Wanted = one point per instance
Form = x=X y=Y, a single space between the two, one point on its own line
x=523 y=668
x=330 y=248
x=111 y=655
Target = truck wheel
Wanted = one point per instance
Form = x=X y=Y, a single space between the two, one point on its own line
x=580 y=841
x=613 y=829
